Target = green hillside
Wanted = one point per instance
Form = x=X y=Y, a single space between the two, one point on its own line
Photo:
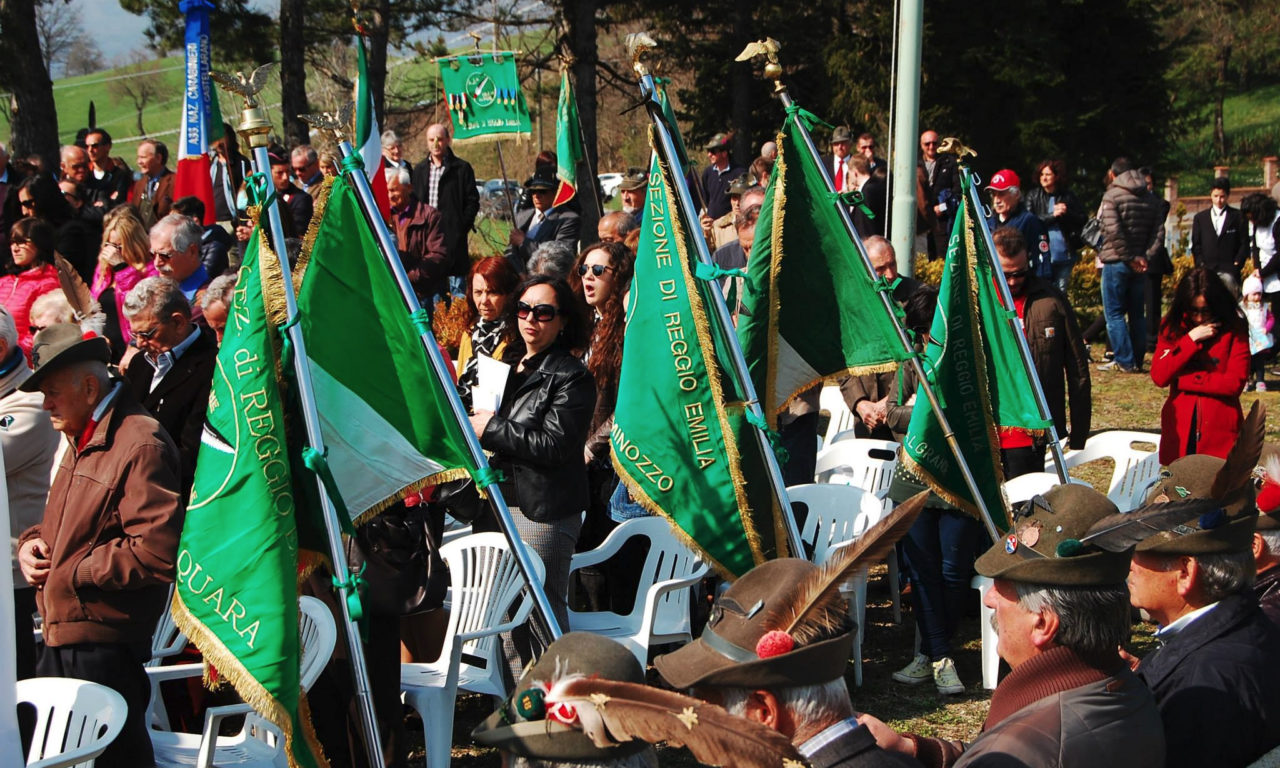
x=1252 y=122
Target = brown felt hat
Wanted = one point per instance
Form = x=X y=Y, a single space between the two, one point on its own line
x=1228 y=530
x=728 y=654
x=718 y=142
x=841 y=133
x=634 y=178
x=1042 y=546
x=61 y=345
x=740 y=185
x=523 y=726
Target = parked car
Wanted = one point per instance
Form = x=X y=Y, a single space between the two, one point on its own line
x=493 y=189
x=609 y=183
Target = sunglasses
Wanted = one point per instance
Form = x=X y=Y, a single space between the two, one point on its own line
x=596 y=269
x=19 y=241
x=542 y=313
x=163 y=255
x=27 y=203
x=95 y=146
x=34 y=329
x=79 y=166
x=1018 y=274
x=148 y=335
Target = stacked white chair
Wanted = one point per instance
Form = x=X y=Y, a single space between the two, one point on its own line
x=485 y=584
x=660 y=613
x=1135 y=467
x=259 y=742
x=840 y=424
x=75 y=720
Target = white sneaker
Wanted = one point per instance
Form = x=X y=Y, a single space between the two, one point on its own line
x=918 y=671
x=1262 y=387
x=945 y=677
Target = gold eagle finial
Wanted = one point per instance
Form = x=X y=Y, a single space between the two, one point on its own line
x=952 y=146
x=248 y=86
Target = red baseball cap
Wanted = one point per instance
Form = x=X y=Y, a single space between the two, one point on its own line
x=1004 y=180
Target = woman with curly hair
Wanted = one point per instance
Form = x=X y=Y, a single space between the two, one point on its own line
x=1202 y=356
x=125 y=258
x=1063 y=217
x=490 y=329
x=603 y=272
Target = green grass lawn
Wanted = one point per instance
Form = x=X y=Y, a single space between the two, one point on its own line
x=1252 y=122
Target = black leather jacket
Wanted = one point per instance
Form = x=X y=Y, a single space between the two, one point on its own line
x=538 y=433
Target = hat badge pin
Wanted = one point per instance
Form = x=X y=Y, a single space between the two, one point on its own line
x=1011 y=543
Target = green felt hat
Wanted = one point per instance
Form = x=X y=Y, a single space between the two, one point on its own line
x=61 y=345
x=1230 y=530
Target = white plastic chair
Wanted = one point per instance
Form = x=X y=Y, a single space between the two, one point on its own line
x=1020 y=488
x=837 y=516
x=486 y=581
x=831 y=400
x=660 y=613
x=259 y=742
x=1269 y=760
x=1134 y=467
x=75 y=720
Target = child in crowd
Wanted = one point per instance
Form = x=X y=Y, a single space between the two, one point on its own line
x=1261 y=323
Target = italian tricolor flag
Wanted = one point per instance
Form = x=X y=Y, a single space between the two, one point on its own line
x=568 y=142
x=368 y=137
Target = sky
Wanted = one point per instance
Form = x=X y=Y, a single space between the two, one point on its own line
x=117 y=31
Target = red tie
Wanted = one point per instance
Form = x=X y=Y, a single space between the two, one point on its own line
x=840 y=174
x=86 y=435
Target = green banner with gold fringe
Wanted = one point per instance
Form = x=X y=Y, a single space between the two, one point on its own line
x=482 y=93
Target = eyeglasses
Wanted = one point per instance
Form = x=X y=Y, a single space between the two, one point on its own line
x=79 y=166
x=19 y=240
x=928 y=143
x=27 y=203
x=542 y=313
x=1019 y=274
x=95 y=146
x=164 y=255
x=34 y=329
x=148 y=334
x=596 y=269
x=866 y=147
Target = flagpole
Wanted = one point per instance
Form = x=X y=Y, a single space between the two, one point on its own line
x=1024 y=350
x=392 y=256
x=666 y=145
x=773 y=71
x=255 y=127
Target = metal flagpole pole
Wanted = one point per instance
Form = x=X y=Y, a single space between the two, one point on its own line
x=392 y=256
x=255 y=127
x=1024 y=351
x=666 y=147
x=774 y=72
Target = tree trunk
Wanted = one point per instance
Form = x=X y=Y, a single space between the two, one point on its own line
x=580 y=36
x=378 y=36
x=742 y=89
x=293 y=73
x=1220 y=96
x=35 y=118
x=141 y=131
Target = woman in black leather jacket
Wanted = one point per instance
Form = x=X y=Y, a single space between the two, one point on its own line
x=537 y=437
x=1063 y=217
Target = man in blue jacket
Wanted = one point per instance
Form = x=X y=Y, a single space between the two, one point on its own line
x=1007 y=210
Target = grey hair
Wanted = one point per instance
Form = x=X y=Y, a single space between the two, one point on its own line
x=1271 y=539
x=626 y=222
x=389 y=138
x=219 y=290
x=747 y=217
x=8 y=328
x=306 y=151
x=645 y=758
x=399 y=173
x=183 y=231
x=159 y=296
x=95 y=368
x=813 y=704
x=1092 y=621
x=1225 y=574
x=553 y=258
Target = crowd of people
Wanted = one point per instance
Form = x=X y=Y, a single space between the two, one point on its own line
x=116 y=296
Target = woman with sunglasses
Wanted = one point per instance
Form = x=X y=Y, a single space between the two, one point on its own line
x=491 y=288
x=31 y=274
x=603 y=271
x=537 y=436
x=1202 y=356
x=123 y=261
x=75 y=238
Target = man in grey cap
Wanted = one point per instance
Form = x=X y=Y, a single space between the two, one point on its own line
x=720 y=172
x=103 y=556
x=541 y=223
x=838 y=161
x=635 y=182
x=1214 y=676
x=1061 y=611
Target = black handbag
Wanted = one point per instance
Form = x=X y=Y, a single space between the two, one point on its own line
x=1091 y=235
x=460 y=499
x=403 y=571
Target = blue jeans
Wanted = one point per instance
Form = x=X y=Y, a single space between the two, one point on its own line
x=941 y=547
x=1124 y=293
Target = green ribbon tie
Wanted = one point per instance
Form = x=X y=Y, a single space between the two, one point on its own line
x=881 y=285
x=352 y=163
x=421 y=321
x=350 y=586
x=286 y=344
x=318 y=463
x=709 y=272
x=809 y=119
x=259 y=190
x=775 y=441
x=484 y=477
x=854 y=198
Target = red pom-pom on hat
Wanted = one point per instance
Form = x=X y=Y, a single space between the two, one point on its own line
x=1268 y=496
x=774 y=643
x=88 y=335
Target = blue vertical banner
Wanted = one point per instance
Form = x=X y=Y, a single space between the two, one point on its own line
x=193 y=148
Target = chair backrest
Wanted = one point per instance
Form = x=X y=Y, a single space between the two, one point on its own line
x=863 y=463
x=317 y=636
x=75 y=719
x=485 y=581
x=831 y=400
x=167 y=640
x=833 y=513
x=1134 y=466
x=668 y=559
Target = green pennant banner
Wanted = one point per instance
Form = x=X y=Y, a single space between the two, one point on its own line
x=680 y=442
x=482 y=92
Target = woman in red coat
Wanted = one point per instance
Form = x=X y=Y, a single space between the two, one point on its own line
x=1202 y=356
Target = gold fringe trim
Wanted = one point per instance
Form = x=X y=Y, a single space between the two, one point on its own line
x=253 y=693
x=442 y=476
x=656 y=509
x=319 y=205
x=701 y=326
x=834 y=378
x=779 y=187
x=519 y=138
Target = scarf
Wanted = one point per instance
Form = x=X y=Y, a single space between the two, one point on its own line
x=484 y=340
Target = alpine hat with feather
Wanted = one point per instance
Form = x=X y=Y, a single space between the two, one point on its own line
x=61 y=345
x=1229 y=526
x=1073 y=536
x=785 y=622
